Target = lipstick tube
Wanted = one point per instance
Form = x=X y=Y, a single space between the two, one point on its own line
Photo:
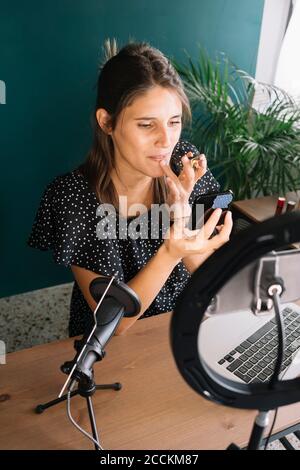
x=194 y=159
x=280 y=205
x=290 y=206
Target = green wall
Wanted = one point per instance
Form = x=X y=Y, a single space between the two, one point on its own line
x=49 y=53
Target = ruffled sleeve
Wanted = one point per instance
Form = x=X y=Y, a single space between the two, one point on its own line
x=66 y=223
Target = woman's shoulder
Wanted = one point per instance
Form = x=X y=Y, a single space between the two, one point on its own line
x=67 y=193
x=72 y=181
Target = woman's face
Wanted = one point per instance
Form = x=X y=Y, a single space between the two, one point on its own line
x=147 y=131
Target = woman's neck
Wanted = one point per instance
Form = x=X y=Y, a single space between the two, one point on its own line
x=138 y=189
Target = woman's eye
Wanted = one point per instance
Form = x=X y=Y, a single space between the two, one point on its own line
x=150 y=125
x=144 y=125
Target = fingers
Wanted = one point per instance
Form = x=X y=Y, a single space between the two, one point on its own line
x=168 y=171
x=208 y=228
x=179 y=188
x=224 y=232
x=198 y=241
x=227 y=226
x=211 y=223
x=193 y=169
x=200 y=166
x=173 y=187
x=187 y=174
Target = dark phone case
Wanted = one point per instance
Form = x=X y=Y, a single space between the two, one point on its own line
x=210 y=202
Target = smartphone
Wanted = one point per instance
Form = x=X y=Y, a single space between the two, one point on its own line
x=205 y=204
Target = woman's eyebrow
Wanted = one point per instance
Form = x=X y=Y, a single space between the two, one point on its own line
x=147 y=117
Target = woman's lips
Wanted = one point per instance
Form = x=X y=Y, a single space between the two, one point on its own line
x=158 y=158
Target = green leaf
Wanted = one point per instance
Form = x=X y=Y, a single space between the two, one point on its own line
x=252 y=152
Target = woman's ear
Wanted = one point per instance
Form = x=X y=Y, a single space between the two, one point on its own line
x=103 y=119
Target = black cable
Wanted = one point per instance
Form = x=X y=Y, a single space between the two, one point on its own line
x=97 y=444
x=281 y=340
x=280 y=355
x=271 y=430
x=274 y=420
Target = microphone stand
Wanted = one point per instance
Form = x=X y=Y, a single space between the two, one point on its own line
x=125 y=302
x=86 y=385
x=86 y=389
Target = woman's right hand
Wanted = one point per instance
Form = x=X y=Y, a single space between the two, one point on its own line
x=181 y=242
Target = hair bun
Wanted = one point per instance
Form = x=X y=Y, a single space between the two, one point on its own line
x=110 y=49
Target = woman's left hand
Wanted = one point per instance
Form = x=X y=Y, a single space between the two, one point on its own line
x=180 y=187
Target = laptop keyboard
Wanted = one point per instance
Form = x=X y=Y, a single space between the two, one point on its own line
x=254 y=359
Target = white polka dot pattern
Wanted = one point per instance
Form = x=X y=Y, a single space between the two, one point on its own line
x=66 y=224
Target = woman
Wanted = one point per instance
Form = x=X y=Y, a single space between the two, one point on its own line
x=137 y=154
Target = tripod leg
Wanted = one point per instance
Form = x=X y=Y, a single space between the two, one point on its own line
x=92 y=420
x=42 y=407
x=116 y=386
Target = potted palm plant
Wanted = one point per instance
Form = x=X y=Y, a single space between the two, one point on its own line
x=252 y=152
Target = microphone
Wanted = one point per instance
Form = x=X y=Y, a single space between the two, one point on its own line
x=108 y=317
x=121 y=301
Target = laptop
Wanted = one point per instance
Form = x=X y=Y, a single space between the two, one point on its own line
x=243 y=347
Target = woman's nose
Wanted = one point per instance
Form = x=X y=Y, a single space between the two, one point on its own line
x=164 y=138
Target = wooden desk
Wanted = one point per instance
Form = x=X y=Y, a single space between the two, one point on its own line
x=155 y=409
x=262 y=208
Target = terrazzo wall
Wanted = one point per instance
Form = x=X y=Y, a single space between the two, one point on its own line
x=35 y=317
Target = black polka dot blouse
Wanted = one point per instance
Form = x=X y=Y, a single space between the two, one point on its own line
x=66 y=223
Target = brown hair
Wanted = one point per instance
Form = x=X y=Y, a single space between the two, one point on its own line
x=126 y=74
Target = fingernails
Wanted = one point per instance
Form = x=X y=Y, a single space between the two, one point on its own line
x=185 y=159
